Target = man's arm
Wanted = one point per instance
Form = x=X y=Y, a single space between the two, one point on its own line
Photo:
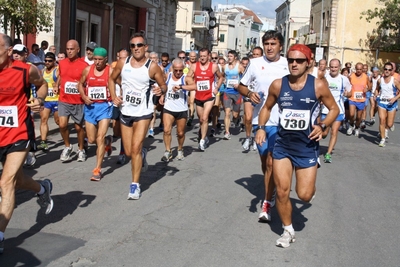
x=41 y=89
x=82 y=85
x=157 y=74
x=395 y=98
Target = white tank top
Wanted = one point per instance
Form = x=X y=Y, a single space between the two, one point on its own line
x=176 y=101
x=388 y=90
x=137 y=90
x=374 y=83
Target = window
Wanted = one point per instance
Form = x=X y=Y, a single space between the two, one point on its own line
x=93 y=32
x=222 y=38
x=79 y=31
x=117 y=38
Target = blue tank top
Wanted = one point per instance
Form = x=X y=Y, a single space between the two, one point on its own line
x=232 y=77
x=298 y=112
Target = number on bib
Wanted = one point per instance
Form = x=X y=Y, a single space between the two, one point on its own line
x=173 y=96
x=295 y=120
x=71 y=88
x=9 y=116
x=358 y=95
x=133 y=98
x=50 y=92
x=97 y=92
x=231 y=83
x=203 y=85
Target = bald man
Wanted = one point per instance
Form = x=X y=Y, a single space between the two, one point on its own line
x=70 y=102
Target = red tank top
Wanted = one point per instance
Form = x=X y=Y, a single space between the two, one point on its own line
x=70 y=74
x=204 y=80
x=16 y=123
x=97 y=86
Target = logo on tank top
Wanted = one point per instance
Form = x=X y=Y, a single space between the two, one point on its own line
x=286 y=97
x=307 y=100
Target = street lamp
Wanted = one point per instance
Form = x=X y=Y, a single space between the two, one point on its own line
x=287 y=2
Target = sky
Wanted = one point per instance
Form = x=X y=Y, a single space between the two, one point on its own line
x=264 y=7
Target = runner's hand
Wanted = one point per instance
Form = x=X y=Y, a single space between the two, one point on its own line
x=316 y=133
x=260 y=137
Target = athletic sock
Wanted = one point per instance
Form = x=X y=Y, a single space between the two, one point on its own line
x=289 y=228
x=42 y=190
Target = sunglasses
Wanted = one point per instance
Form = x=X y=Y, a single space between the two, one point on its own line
x=182 y=57
x=178 y=70
x=138 y=45
x=48 y=60
x=388 y=69
x=214 y=58
x=164 y=60
x=298 y=60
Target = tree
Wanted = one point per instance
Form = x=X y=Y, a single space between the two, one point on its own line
x=26 y=16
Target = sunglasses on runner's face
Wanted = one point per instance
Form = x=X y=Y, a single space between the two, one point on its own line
x=298 y=60
x=214 y=58
x=388 y=69
x=138 y=45
x=48 y=60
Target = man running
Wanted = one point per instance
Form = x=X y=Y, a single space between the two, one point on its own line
x=51 y=101
x=203 y=73
x=175 y=109
x=138 y=74
x=93 y=87
x=338 y=85
x=357 y=97
x=17 y=132
x=297 y=143
x=70 y=103
x=387 y=94
x=375 y=76
x=262 y=72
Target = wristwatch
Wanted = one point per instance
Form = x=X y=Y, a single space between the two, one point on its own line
x=260 y=128
x=323 y=126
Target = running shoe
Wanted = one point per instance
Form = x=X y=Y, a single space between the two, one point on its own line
x=167 y=156
x=202 y=145
x=382 y=143
x=180 y=155
x=121 y=159
x=356 y=132
x=227 y=136
x=81 y=156
x=328 y=158
x=189 y=122
x=145 y=166
x=362 y=125
x=254 y=147
x=151 y=133
x=134 y=192
x=108 y=148
x=246 y=144
x=372 y=121
x=96 y=175
x=66 y=153
x=45 y=200
x=43 y=146
x=350 y=130
x=212 y=134
x=30 y=159
x=265 y=214
x=392 y=128
x=285 y=239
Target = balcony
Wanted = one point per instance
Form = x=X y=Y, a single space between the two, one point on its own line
x=315 y=37
x=200 y=20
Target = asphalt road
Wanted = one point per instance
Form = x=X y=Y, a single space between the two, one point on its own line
x=203 y=211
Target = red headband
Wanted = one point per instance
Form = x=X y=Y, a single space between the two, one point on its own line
x=301 y=48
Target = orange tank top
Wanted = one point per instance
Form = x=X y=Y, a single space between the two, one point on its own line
x=358 y=84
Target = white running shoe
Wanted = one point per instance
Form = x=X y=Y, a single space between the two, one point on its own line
x=285 y=239
x=350 y=130
x=246 y=144
x=81 y=155
x=357 y=133
x=254 y=147
x=392 y=128
x=134 y=192
x=202 y=145
x=227 y=136
x=180 y=155
x=30 y=159
x=265 y=214
x=382 y=143
x=66 y=153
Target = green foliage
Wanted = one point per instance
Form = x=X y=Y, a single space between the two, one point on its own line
x=27 y=16
x=386 y=35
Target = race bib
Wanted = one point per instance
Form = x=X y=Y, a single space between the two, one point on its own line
x=133 y=97
x=384 y=100
x=203 y=85
x=358 y=95
x=231 y=83
x=97 y=92
x=173 y=96
x=9 y=116
x=295 y=120
x=71 y=88
x=50 y=92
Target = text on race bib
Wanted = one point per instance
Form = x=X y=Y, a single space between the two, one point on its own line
x=231 y=83
x=384 y=100
x=295 y=120
x=9 y=116
x=50 y=92
x=358 y=95
x=133 y=97
x=172 y=95
x=71 y=88
x=97 y=92
x=203 y=85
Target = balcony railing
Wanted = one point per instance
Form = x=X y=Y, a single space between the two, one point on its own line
x=200 y=20
x=314 y=38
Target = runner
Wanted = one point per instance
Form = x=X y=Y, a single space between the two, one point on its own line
x=175 y=109
x=338 y=85
x=70 y=103
x=93 y=88
x=387 y=94
x=297 y=143
x=203 y=73
x=51 y=101
x=373 y=108
x=138 y=74
x=17 y=132
x=262 y=72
